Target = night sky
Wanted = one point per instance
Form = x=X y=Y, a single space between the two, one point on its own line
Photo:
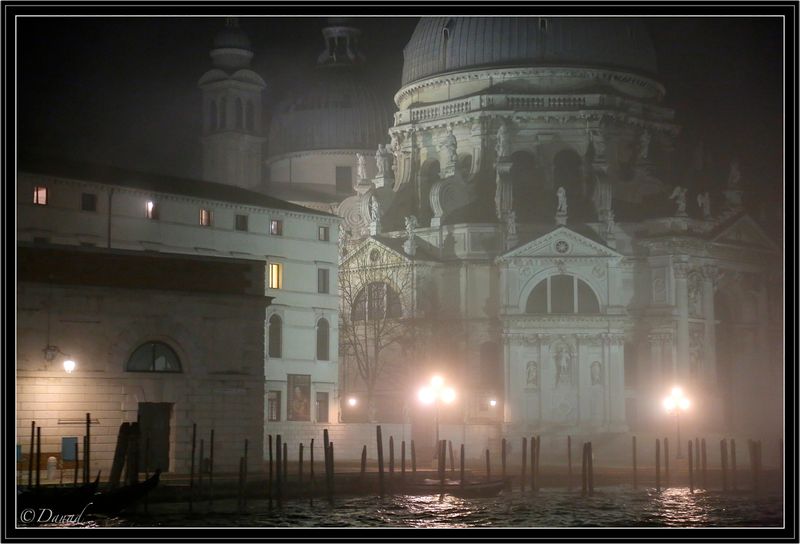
x=124 y=90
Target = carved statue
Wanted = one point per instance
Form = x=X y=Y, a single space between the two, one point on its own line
x=411 y=225
x=533 y=373
x=450 y=145
x=503 y=146
x=374 y=209
x=362 y=166
x=563 y=360
x=679 y=196
x=735 y=175
x=596 y=373
x=511 y=223
x=383 y=160
x=704 y=201
x=644 y=144
x=562 y=201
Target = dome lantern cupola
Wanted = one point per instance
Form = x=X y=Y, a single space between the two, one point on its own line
x=341 y=43
x=232 y=48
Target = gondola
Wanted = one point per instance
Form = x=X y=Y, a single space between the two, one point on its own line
x=115 y=500
x=62 y=499
x=454 y=487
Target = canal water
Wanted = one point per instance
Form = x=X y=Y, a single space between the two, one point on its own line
x=613 y=506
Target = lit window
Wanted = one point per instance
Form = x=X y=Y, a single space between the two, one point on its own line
x=89 y=202
x=276 y=227
x=205 y=217
x=274 y=406
x=324 y=234
x=152 y=209
x=40 y=195
x=154 y=357
x=323 y=275
x=241 y=222
x=275 y=276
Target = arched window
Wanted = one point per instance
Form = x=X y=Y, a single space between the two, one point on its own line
x=562 y=294
x=154 y=357
x=249 y=116
x=376 y=301
x=223 y=113
x=212 y=115
x=275 y=336
x=239 y=114
x=323 y=340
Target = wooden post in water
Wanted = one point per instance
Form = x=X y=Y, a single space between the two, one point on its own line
x=379 y=443
x=84 y=472
x=733 y=464
x=211 y=470
x=326 y=451
x=590 y=462
x=87 y=454
x=30 y=456
x=363 y=462
x=76 y=464
x=452 y=459
x=269 y=473
x=503 y=459
x=391 y=460
x=723 y=457
x=442 y=461
x=330 y=475
x=461 y=467
x=658 y=465
x=311 y=471
x=691 y=469
x=200 y=471
x=278 y=467
x=569 y=462
x=666 y=462
x=240 y=486
x=38 y=455
x=413 y=461
x=533 y=463
x=697 y=454
x=538 y=459
x=403 y=461
x=703 y=462
x=584 y=479
x=191 y=467
x=244 y=476
x=633 y=455
x=300 y=465
x=753 y=447
x=488 y=466
x=524 y=462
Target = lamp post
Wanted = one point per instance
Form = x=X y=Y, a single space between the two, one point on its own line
x=677 y=403
x=436 y=393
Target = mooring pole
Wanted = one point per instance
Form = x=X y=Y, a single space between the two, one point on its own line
x=38 y=455
x=524 y=461
x=30 y=456
x=666 y=463
x=658 y=465
x=633 y=448
x=191 y=467
x=569 y=462
x=379 y=440
x=461 y=471
x=584 y=462
x=691 y=468
x=723 y=457
x=733 y=464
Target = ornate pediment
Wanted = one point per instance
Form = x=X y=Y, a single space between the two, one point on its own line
x=744 y=232
x=373 y=252
x=564 y=244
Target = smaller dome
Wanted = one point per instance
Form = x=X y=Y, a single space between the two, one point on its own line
x=232 y=36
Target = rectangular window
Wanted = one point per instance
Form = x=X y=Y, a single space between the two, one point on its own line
x=322 y=407
x=275 y=276
x=274 y=405
x=344 y=179
x=241 y=222
x=40 y=195
x=323 y=275
x=205 y=217
x=151 y=210
x=324 y=234
x=89 y=202
x=276 y=227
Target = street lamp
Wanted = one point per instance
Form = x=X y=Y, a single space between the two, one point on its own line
x=677 y=403
x=69 y=366
x=436 y=393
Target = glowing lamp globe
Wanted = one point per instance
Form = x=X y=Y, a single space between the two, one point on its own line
x=69 y=366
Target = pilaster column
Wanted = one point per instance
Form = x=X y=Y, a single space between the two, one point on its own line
x=711 y=277
x=681 y=272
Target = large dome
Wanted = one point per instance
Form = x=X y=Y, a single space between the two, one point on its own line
x=336 y=109
x=447 y=44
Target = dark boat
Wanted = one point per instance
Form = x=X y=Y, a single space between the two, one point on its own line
x=454 y=487
x=113 y=501
x=58 y=499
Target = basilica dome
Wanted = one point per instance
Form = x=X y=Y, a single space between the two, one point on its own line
x=448 y=44
x=335 y=109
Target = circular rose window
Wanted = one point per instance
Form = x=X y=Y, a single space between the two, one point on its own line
x=562 y=247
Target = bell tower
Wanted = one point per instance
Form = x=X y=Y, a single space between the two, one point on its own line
x=232 y=139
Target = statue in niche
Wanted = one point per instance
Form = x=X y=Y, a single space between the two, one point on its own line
x=695 y=290
x=533 y=374
x=361 y=169
x=411 y=225
x=374 y=209
x=596 y=371
x=644 y=145
x=511 y=223
x=450 y=145
x=704 y=201
x=679 y=196
x=562 y=201
x=735 y=175
x=503 y=146
x=382 y=160
x=563 y=360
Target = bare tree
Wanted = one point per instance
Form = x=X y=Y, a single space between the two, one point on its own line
x=377 y=324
